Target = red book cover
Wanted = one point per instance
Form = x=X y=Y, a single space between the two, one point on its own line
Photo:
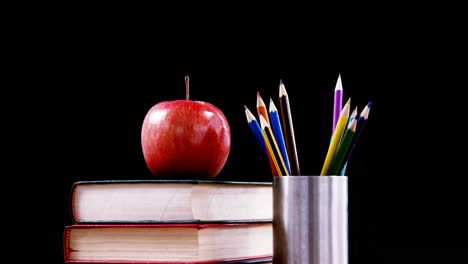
x=227 y=242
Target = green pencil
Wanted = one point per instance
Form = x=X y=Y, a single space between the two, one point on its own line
x=343 y=148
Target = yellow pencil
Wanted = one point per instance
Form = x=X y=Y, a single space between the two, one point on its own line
x=337 y=134
x=276 y=153
x=272 y=159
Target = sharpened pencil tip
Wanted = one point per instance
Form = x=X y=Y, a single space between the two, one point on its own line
x=355 y=112
x=365 y=111
x=260 y=101
x=263 y=122
x=338 y=85
x=282 y=90
x=369 y=104
x=345 y=110
x=249 y=115
x=272 y=106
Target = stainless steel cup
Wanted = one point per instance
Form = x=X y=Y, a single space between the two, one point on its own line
x=310 y=219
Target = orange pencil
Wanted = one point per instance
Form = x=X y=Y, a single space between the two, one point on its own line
x=262 y=109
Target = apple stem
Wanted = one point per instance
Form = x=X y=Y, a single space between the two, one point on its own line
x=186 y=87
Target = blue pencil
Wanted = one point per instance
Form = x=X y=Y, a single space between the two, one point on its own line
x=362 y=119
x=278 y=132
x=257 y=131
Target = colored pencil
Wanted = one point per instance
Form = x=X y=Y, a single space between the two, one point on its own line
x=336 y=138
x=261 y=108
x=278 y=132
x=361 y=121
x=287 y=123
x=337 y=161
x=258 y=133
x=353 y=115
x=273 y=147
x=255 y=127
x=337 y=102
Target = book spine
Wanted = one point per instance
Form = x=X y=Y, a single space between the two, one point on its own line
x=66 y=244
x=73 y=204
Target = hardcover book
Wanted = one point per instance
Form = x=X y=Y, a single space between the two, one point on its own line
x=157 y=201
x=169 y=243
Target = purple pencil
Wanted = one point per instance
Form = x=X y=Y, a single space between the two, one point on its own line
x=338 y=102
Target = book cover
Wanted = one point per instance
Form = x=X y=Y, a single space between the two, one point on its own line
x=159 y=201
x=169 y=243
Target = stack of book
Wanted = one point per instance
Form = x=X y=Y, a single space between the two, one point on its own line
x=169 y=221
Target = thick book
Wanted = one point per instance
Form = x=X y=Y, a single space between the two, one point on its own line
x=169 y=243
x=156 y=201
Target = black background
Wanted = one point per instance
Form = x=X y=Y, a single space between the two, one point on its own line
x=94 y=77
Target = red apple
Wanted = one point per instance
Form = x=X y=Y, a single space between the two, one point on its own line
x=185 y=138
